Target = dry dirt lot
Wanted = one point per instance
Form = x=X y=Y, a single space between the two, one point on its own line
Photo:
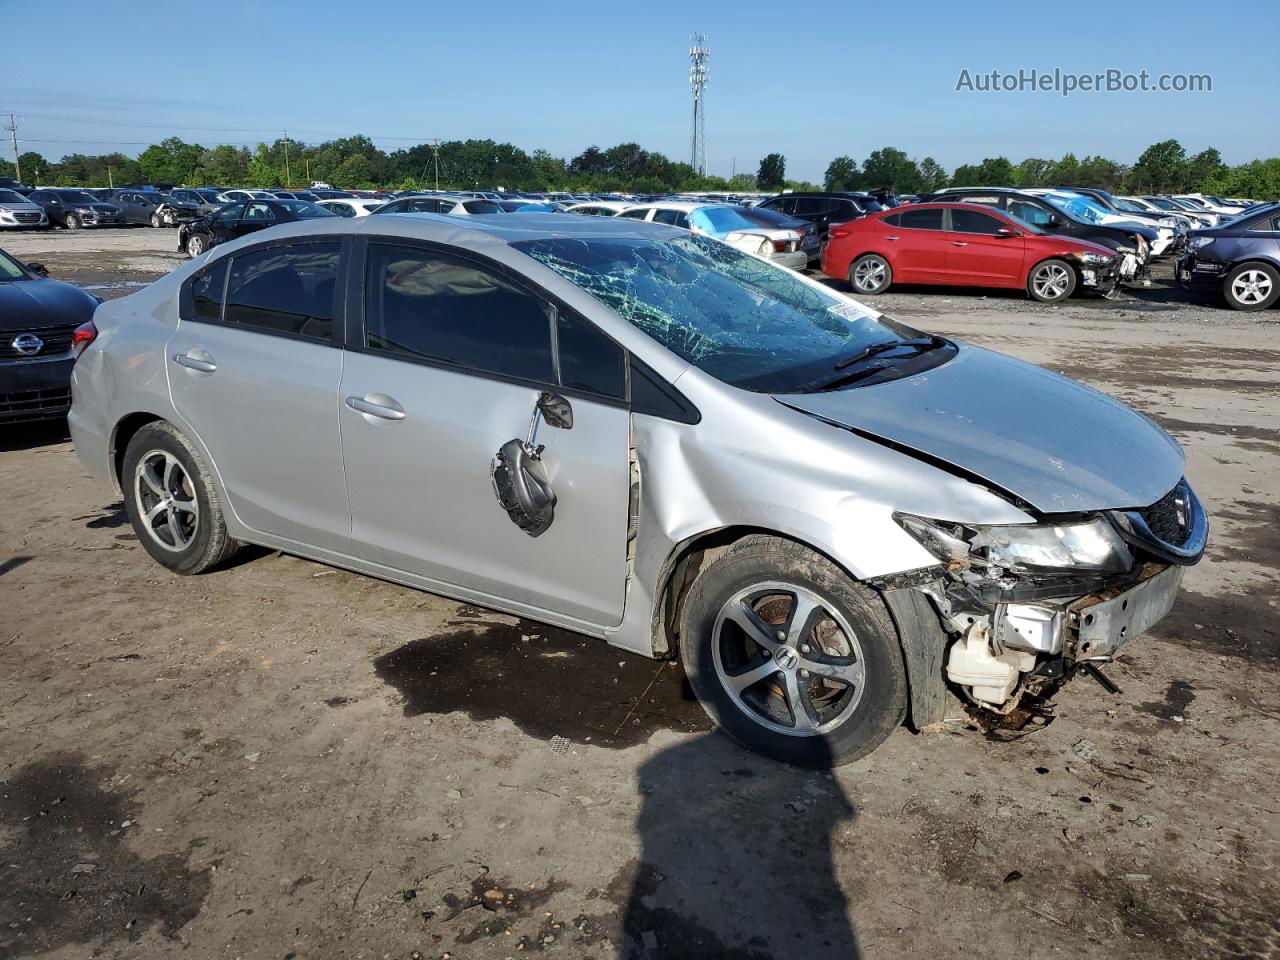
x=285 y=760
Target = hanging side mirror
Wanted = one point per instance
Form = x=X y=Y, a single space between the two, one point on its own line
x=555 y=410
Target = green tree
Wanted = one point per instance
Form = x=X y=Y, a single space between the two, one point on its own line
x=890 y=169
x=1162 y=168
x=932 y=176
x=1203 y=167
x=34 y=167
x=1033 y=172
x=842 y=174
x=772 y=174
x=1101 y=173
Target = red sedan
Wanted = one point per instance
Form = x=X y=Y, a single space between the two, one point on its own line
x=965 y=244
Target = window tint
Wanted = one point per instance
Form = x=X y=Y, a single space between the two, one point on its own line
x=481 y=206
x=971 y=221
x=847 y=208
x=1029 y=212
x=922 y=219
x=435 y=306
x=259 y=211
x=893 y=220
x=206 y=292
x=232 y=212
x=588 y=359
x=285 y=289
x=635 y=214
x=810 y=206
x=675 y=218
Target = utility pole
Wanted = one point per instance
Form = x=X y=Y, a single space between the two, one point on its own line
x=699 y=54
x=435 y=154
x=13 y=133
x=307 y=161
x=110 y=182
x=287 y=179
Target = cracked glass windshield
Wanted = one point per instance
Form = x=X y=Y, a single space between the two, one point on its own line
x=741 y=320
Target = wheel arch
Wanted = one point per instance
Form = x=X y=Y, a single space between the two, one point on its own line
x=121 y=434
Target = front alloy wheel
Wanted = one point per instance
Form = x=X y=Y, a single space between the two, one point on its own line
x=1051 y=281
x=195 y=246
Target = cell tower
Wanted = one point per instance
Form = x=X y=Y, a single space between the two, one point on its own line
x=699 y=54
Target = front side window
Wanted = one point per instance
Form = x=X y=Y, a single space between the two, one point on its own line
x=1030 y=213
x=288 y=289
x=206 y=292
x=427 y=305
x=971 y=221
x=588 y=359
x=741 y=320
x=9 y=269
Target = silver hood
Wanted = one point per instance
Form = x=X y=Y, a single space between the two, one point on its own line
x=1055 y=443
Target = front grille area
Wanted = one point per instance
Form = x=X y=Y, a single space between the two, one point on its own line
x=1169 y=518
x=57 y=341
x=34 y=405
x=21 y=216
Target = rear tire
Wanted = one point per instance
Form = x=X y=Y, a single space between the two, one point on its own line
x=870 y=274
x=1251 y=286
x=172 y=503
x=1051 y=281
x=817 y=693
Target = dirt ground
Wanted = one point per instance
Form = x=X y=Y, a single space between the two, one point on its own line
x=282 y=760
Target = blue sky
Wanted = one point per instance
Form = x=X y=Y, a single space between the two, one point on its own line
x=810 y=81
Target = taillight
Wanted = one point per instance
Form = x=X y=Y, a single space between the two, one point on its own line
x=82 y=337
x=839 y=233
x=780 y=246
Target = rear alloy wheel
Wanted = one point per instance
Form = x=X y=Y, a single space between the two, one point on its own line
x=195 y=245
x=1252 y=286
x=157 y=220
x=1051 y=281
x=172 y=503
x=73 y=221
x=870 y=274
x=789 y=656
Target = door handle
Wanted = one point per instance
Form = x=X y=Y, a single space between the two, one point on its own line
x=893 y=238
x=959 y=243
x=388 y=410
x=194 y=363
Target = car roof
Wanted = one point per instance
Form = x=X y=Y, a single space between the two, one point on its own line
x=684 y=205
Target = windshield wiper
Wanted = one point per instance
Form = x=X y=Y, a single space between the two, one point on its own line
x=920 y=344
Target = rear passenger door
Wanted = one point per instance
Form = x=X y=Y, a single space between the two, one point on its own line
x=453 y=355
x=253 y=368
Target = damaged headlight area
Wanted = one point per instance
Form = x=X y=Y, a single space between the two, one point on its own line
x=1090 y=545
x=1093 y=259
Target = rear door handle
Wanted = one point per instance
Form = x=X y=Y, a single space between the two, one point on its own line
x=194 y=363
x=959 y=243
x=893 y=238
x=386 y=409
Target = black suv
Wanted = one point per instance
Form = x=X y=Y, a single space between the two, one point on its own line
x=824 y=209
x=157 y=209
x=74 y=209
x=1039 y=212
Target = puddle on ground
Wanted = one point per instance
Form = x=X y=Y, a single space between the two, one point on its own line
x=67 y=873
x=549 y=682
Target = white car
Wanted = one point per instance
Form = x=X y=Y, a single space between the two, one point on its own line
x=16 y=212
x=239 y=196
x=724 y=222
x=598 y=208
x=461 y=206
x=355 y=207
x=1212 y=204
x=1198 y=220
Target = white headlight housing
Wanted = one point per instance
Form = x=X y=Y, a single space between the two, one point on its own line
x=1091 y=545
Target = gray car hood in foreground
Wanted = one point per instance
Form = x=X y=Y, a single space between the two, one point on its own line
x=1059 y=445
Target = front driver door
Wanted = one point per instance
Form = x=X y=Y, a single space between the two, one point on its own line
x=979 y=253
x=256 y=379
x=448 y=368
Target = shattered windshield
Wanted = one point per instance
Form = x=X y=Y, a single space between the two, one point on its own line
x=741 y=320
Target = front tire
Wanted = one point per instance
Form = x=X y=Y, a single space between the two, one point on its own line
x=72 y=222
x=157 y=220
x=172 y=503
x=1251 y=286
x=195 y=246
x=1051 y=281
x=790 y=657
x=870 y=274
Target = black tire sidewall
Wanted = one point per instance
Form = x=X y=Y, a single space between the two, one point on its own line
x=1044 y=263
x=72 y=222
x=197 y=242
x=193 y=558
x=1234 y=304
x=883 y=702
x=888 y=275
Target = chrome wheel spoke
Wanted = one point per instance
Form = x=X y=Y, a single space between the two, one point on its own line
x=805 y=609
x=804 y=716
x=153 y=481
x=180 y=537
x=739 y=682
x=751 y=624
x=848 y=671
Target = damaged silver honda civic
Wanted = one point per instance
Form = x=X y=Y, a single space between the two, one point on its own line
x=836 y=522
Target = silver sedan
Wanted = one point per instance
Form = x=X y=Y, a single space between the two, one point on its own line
x=834 y=521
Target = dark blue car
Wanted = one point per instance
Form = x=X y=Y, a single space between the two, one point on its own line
x=1241 y=256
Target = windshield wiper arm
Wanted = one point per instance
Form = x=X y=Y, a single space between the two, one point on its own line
x=920 y=344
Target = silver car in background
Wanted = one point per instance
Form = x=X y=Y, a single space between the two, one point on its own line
x=833 y=520
x=17 y=212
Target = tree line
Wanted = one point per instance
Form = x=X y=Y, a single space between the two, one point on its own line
x=356 y=162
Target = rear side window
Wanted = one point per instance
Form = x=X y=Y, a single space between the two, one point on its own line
x=285 y=289
x=1029 y=212
x=893 y=220
x=481 y=206
x=675 y=218
x=971 y=221
x=635 y=214
x=588 y=359
x=434 y=306
x=206 y=292
x=922 y=219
